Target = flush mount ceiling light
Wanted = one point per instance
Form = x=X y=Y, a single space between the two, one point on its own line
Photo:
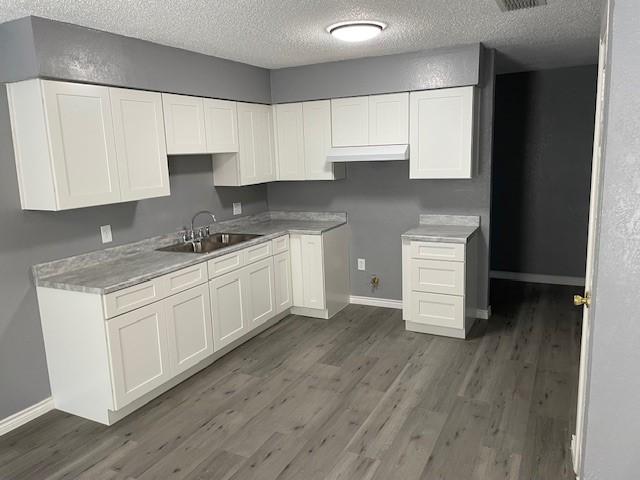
x=356 y=31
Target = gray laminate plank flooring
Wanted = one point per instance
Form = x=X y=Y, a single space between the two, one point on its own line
x=355 y=397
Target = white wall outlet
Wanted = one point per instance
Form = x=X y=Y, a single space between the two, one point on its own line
x=105 y=232
x=237 y=208
x=361 y=264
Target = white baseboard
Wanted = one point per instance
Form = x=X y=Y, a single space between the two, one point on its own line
x=537 y=278
x=30 y=413
x=376 y=302
x=483 y=314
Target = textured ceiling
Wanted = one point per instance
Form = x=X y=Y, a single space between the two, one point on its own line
x=280 y=33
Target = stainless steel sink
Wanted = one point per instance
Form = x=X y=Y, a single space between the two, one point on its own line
x=210 y=243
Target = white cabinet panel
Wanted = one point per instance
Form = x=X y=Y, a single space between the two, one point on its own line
x=442 y=133
x=261 y=298
x=138 y=353
x=226 y=263
x=256 y=143
x=221 y=125
x=437 y=251
x=190 y=336
x=437 y=276
x=282 y=280
x=280 y=244
x=290 y=141
x=184 y=124
x=185 y=278
x=389 y=119
x=82 y=144
x=140 y=143
x=317 y=142
x=438 y=310
x=229 y=307
x=350 y=121
x=307 y=271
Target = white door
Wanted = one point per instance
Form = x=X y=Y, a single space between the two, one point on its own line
x=190 y=333
x=442 y=132
x=138 y=125
x=221 y=125
x=389 y=119
x=577 y=443
x=184 y=124
x=138 y=352
x=282 y=281
x=350 y=121
x=317 y=140
x=290 y=141
x=229 y=307
x=256 y=143
x=307 y=272
x=82 y=144
x=262 y=298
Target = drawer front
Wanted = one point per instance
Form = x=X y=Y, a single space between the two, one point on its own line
x=436 y=309
x=438 y=251
x=280 y=244
x=130 y=298
x=437 y=276
x=257 y=252
x=225 y=264
x=186 y=278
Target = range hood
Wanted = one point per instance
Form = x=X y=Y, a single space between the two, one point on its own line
x=374 y=153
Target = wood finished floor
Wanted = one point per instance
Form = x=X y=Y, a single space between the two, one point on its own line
x=355 y=397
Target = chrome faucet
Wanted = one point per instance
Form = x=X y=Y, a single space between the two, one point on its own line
x=191 y=234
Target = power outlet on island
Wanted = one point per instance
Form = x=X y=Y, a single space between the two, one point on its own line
x=362 y=264
x=237 y=208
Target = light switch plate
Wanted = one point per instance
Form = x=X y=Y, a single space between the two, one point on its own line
x=361 y=264
x=237 y=208
x=105 y=232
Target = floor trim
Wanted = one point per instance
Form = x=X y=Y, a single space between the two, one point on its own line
x=30 y=413
x=376 y=302
x=538 y=278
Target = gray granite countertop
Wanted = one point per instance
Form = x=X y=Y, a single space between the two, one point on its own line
x=444 y=228
x=113 y=269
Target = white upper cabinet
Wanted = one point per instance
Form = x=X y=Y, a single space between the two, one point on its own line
x=184 y=124
x=140 y=143
x=221 y=125
x=290 y=141
x=443 y=133
x=255 y=128
x=389 y=119
x=350 y=121
x=317 y=142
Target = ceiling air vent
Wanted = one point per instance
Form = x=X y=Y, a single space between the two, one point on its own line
x=511 y=5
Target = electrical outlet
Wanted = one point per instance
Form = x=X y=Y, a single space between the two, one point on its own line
x=237 y=208
x=105 y=232
x=361 y=264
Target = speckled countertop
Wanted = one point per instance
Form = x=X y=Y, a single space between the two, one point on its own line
x=444 y=228
x=113 y=269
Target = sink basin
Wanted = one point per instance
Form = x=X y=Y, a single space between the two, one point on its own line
x=211 y=243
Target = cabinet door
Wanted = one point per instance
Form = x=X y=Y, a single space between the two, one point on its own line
x=138 y=126
x=221 y=125
x=307 y=271
x=317 y=140
x=389 y=119
x=350 y=121
x=256 y=146
x=261 y=299
x=282 y=280
x=184 y=124
x=442 y=133
x=290 y=141
x=190 y=334
x=138 y=352
x=82 y=144
x=229 y=307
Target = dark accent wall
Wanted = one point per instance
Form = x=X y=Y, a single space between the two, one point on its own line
x=543 y=139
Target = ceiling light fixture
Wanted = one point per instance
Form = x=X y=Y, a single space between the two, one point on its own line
x=356 y=31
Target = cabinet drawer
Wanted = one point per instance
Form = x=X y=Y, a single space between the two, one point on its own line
x=437 y=276
x=438 y=251
x=257 y=252
x=130 y=298
x=280 y=244
x=436 y=309
x=184 y=279
x=225 y=264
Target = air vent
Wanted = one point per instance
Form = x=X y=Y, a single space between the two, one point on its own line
x=511 y=5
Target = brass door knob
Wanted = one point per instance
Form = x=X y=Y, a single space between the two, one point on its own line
x=579 y=300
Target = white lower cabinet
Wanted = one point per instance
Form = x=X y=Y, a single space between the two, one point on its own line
x=282 y=281
x=229 y=307
x=261 y=292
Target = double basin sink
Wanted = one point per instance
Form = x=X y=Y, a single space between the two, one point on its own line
x=210 y=243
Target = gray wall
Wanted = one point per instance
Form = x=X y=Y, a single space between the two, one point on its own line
x=613 y=388
x=30 y=237
x=382 y=202
x=542 y=170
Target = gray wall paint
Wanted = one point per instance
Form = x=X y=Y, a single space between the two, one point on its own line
x=542 y=170
x=69 y=52
x=613 y=422
x=439 y=68
x=381 y=203
x=30 y=237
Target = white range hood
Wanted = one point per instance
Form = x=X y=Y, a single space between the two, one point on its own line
x=374 y=153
